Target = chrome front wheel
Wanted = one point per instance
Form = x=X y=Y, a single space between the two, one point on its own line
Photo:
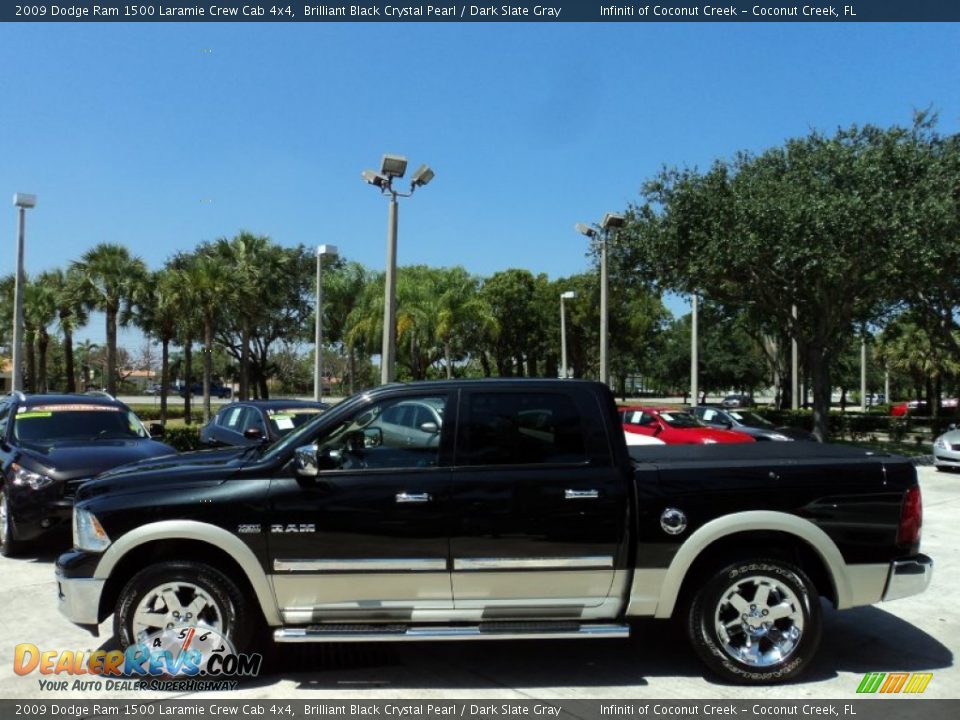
x=182 y=594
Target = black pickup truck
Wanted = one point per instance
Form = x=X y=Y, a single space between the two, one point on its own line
x=496 y=509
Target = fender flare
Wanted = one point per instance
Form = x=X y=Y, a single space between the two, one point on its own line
x=753 y=520
x=201 y=532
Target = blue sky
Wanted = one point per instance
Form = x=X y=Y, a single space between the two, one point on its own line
x=163 y=135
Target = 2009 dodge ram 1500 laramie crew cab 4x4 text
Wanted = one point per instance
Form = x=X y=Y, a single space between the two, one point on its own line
x=496 y=509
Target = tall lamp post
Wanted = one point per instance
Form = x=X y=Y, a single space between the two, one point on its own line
x=22 y=201
x=391 y=167
x=694 y=351
x=568 y=295
x=610 y=222
x=323 y=251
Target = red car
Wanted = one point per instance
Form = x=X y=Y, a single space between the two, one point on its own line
x=676 y=427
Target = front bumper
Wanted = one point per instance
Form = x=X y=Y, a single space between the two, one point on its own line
x=80 y=598
x=908 y=577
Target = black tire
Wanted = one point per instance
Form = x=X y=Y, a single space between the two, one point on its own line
x=9 y=547
x=747 y=655
x=228 y=604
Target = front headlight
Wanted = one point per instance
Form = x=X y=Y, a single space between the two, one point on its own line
x=88 y=533
x=28 y=478
x=941 y=442
x=709 y=441
x=778 y=436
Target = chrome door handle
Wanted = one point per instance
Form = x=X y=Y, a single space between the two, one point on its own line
x=413 y=497
x=581 y=494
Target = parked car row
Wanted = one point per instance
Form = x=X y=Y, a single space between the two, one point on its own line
x=703 y=425
x=50 y=444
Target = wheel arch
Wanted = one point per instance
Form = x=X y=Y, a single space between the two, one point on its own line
x=780 y=535
x=184 y=540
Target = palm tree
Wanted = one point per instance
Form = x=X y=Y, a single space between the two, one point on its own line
x=85 y=352
x=211 y=287
x=159 y=306
x=71 y=314
x=39 y=312
x=108 y=278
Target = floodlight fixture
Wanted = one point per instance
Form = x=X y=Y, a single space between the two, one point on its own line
x=327 y=251
x=393 y=166
x=422 y=176
x=568 y=295
x=374 y=178
x=613 y=220
x=24 y=200
x=585 y=230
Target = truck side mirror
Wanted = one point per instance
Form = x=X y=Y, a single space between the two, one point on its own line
x=156 y=430
x=253 y=433
x=305 y=461
x=430 y=427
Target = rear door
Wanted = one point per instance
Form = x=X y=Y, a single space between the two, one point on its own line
x=539 y=509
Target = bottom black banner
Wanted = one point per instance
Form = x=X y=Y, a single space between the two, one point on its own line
x=875 y=709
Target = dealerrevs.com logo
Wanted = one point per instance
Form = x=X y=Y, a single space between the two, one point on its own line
x=894 y=683
x=185 y=657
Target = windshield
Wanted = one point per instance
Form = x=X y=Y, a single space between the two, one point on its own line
x=680 y=420
x=53 y=423
x=752 y=419
x=285 y=420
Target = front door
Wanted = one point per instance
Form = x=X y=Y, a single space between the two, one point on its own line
x=367 y=539
x=540 y=509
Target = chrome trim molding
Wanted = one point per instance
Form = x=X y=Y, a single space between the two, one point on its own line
x=79 y=599
x=362 y=565
x=544 y=563
x=478 y=632
x=908 y=577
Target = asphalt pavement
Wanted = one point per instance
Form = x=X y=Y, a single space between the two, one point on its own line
x=917 y=634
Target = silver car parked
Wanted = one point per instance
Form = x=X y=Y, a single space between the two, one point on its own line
x=946 y=450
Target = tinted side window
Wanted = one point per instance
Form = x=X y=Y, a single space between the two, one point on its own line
x=381 y=436
x=521 y=429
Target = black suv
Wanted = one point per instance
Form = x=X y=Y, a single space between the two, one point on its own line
x=49 y=445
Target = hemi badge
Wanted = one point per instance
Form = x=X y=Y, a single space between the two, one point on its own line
x=249 y=528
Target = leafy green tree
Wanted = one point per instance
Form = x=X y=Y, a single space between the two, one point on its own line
x=822 y=223
x=281 y=311
x=511 y=296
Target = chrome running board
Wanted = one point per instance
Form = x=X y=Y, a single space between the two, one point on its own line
x=484 y=631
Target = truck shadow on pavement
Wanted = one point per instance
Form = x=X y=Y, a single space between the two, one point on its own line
x=855 y=641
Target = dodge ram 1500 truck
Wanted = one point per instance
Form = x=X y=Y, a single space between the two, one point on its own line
x=496 y=509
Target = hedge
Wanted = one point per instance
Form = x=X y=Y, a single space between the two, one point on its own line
x=858 y=425
x=183 y=439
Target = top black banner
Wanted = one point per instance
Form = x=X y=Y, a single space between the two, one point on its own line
x=517 y=11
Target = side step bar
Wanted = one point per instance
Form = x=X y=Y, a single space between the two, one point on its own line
x=484 y=631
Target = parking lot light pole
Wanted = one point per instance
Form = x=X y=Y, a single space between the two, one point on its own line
x=391 y=167
x=22 y=201
x=328 y=251
x=694 y=352
x=568 y=295
x=610 y=223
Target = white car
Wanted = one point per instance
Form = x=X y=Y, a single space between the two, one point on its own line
x=638 y=439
